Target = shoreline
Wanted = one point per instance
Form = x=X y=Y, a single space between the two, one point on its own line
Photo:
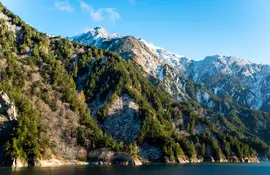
x=62 y=163
x=150 y=164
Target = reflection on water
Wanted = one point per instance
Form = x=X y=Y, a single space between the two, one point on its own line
x=189 y=169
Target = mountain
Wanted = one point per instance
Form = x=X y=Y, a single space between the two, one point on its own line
x=181 y=77
x=222 y=84
x=62 y=103
x=245 y=82
x=95 y=37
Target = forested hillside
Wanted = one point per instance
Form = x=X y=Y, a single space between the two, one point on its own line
x=72 y=100
x=188 y=80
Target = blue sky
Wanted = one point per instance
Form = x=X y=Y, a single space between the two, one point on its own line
x=194 y=28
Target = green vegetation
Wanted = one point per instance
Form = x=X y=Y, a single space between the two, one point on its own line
x=76 y=75
x=38 y=52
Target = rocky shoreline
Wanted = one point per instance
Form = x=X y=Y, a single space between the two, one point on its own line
x=126 y=160
x=232 y=159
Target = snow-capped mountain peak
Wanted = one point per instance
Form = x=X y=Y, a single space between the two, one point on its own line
x=228 y=60
x=100 y=32
x=170 y=58
x=245 y=82
x=94 y=36
x=150 y=45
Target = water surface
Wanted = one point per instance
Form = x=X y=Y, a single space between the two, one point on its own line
x=189 y=169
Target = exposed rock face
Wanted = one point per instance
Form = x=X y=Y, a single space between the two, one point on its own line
x=222 y=160
x=8 y=117
x=132 y=49
x=7 y=108
x=234 y=159
x=244 y=160
x=122 y=121
x=54 y=162
x=13 y=28
x=183 y=160
x=18 y=163
x=101 y=155
x=251 y=160
x=125 y=159
x=209 y=159
x=151 y=152
x=196 y=160
x=106 y=156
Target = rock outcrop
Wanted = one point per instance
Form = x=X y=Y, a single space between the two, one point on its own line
x=19 y=163
x=8 y=117
x=7 y=108
x=54 y=162
x=151 y=152
x=108 y=157
x=183 y=160
x=123 y=121
x=234 y=159
x=250 y=160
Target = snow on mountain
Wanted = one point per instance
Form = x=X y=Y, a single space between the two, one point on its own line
x=169 y=58
x=244 y=81
x=94 y=37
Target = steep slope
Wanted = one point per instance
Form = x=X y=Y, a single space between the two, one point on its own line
x=245 y=82
x=219 y=91
x=54 y=84
x=50 y=113
x=128 y=102
x=257 y=122
x=8 y=118
x=188 y=93
x=127 y=47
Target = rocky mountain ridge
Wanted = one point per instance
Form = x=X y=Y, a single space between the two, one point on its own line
x=245 y=82
x=186 y=79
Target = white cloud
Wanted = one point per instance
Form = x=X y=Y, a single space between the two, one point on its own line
x=63 y=6
x=7 y=2
x=132 y=2
x=101 y=13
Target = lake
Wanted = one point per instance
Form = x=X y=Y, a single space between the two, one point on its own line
x=188 y=169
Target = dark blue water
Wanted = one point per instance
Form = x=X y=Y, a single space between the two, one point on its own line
x=190 y=169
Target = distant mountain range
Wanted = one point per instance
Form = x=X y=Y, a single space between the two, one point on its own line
x=225 y=76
